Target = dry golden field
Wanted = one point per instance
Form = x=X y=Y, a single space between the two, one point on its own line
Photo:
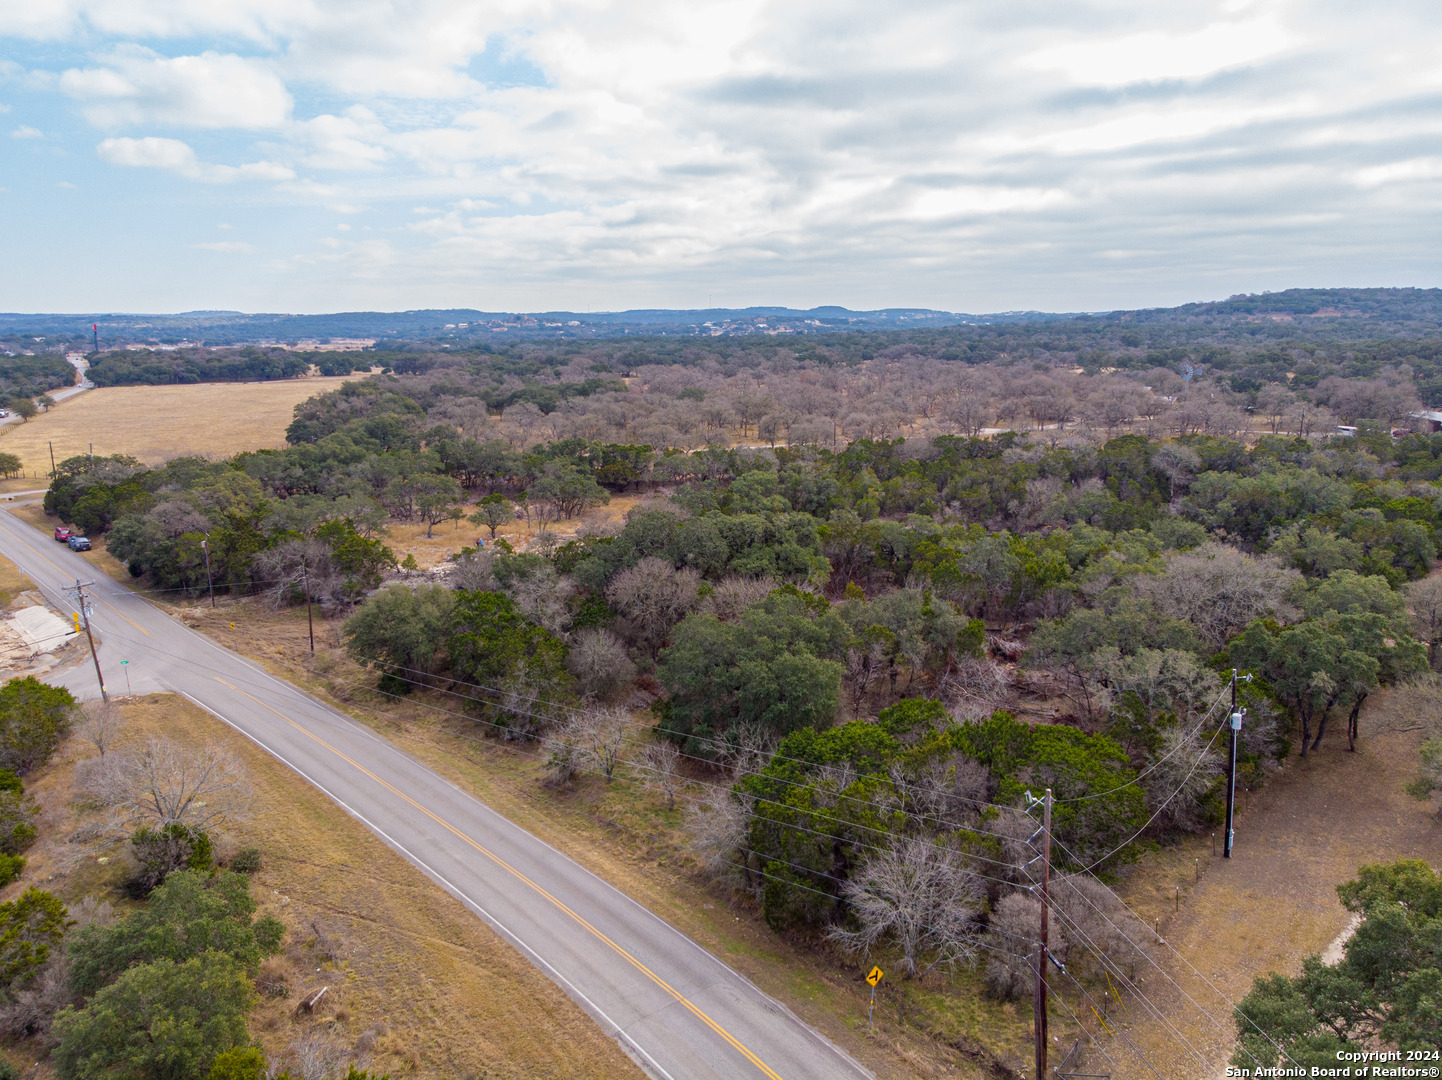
x=155 y=423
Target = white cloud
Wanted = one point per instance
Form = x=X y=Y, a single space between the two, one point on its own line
x=1155 y=55
x=173 y=155
x=213 y=90
x=814 y=144
x=25 y=131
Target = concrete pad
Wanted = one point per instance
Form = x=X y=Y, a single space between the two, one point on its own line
x=41 y=628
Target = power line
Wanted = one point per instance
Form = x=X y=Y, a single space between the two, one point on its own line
x=1181 y=744
x=767 y=857
x=1166 y=975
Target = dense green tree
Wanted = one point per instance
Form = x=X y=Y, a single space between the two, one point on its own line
x=493 y=511
x=489 y=637
x=404 y=630
x=775 y=668
x=161 y=1020
x=191 y=913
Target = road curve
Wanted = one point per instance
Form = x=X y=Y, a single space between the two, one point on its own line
x=678 y=1011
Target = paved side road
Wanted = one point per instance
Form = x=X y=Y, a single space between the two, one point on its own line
x=679 y=1012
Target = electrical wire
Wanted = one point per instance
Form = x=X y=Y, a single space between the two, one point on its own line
x=764 y=856
x=505 y=694
x=791 y=825
x=1154 y=765
x=1167 y=975
x=1195 y=766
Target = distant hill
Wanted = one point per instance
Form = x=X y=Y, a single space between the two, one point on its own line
x=465 y=324
x=1294 y=313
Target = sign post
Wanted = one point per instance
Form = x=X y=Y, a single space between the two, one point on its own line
x=873 y=978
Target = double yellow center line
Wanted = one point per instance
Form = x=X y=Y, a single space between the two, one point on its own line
x=681 y=999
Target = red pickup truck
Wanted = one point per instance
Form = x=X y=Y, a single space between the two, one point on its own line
x=62 y=533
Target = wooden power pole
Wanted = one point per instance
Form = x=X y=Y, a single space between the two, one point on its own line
x=1039 y=1000
x=83 y=603
x=1234 y=725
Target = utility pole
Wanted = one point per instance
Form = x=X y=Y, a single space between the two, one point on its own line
x=53 y=470
x=1234 y=723
x=83 y=603
x=1039 y=999
x=209 y=583
x=310 y=624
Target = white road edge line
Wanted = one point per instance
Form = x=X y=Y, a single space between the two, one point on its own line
x=539 y=961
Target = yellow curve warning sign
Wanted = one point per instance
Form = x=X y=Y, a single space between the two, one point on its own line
x=874 y=976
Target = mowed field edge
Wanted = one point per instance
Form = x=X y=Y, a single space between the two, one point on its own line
x=156 y=423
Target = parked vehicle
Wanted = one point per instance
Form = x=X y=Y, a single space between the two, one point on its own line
x=62 y=533
x=78 y=543
x=4 y=412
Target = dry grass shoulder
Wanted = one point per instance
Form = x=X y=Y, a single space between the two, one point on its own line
x=156 y=423
x=413 y=974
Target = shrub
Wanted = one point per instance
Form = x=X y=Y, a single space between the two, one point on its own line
x=11 y=867
x=240 y=1063
x=34 y=718
x=162 y=851
x=30 y=926
x=246 y=861
x=17 y=817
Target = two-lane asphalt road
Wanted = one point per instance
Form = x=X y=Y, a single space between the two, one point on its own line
x=679 y=1012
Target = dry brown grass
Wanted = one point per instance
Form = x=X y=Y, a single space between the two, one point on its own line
x=408 y=538
x=156 y=423
x=439 y=994
x=1274 y=902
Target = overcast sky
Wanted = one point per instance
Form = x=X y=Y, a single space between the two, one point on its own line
x=969 y=155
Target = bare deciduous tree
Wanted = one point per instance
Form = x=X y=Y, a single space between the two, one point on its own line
x=599 y=662
x=293 y=566
x=922 y=897
x=1424 y=600
x=717 y=830
x=162 y=783
x=1177 y=463
x=590 y=739
x=99 y=725
x=733 y=594
x=319 y=1055
x=1182 y=774
x=1219 y=590
x=541 y=596
x=1011 y=956
x=660 y=765
x=949 y=791
x=1091 y=932
x=653 y=596
x=975 y=687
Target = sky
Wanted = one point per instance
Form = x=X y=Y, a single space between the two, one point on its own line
x=965 y=155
